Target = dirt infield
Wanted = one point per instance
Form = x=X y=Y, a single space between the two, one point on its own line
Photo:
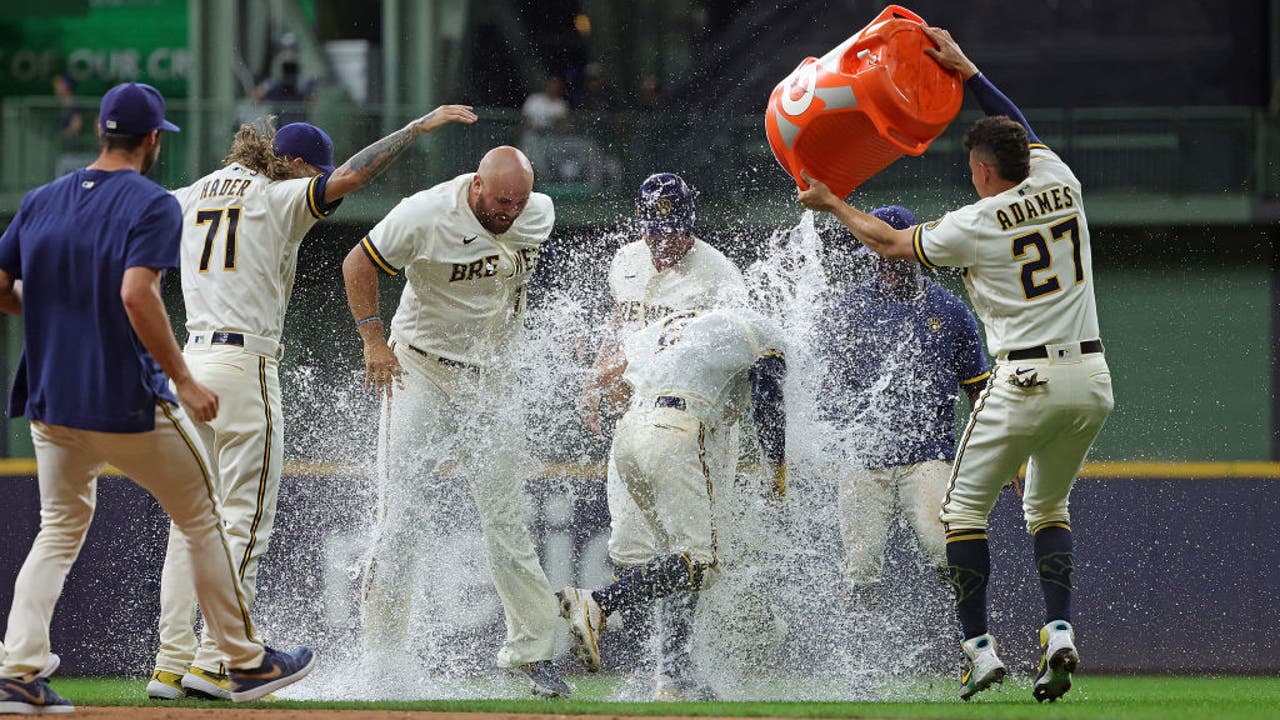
x=232 y=713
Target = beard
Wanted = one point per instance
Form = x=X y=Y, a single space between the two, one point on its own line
x=494 y=221
x=150 y=160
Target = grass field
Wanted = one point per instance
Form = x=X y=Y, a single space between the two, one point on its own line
x=1119 y=698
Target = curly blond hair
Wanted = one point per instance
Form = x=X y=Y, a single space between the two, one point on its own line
x=254 y=148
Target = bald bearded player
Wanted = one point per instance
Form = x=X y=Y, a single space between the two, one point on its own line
x=467 y=248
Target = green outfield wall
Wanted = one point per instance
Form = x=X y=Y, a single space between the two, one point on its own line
x=1185 y=314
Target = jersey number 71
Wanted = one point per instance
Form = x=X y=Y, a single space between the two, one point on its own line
x=213 y=218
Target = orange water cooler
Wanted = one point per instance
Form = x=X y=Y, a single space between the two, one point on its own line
x=849 y=114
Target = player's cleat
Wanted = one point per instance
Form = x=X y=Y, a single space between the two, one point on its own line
x=985 y=668
x=165 y=686
x=206 y=684
x=673 y=688
x=1058 y=659
x=587 y=621
x=50 y=666
x=544 y=679
x=278 y=669
x=33 y=697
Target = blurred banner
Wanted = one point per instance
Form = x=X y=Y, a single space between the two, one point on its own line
x=96 y=44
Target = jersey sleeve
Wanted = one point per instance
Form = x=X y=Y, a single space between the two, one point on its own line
x=971 y=362
x=300 y=202
x=11 y=246
x=155 y=241
x=950 y=240
x=400 y=237
x=731 y=288
x=538 y=219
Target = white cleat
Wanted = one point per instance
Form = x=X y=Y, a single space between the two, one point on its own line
x=985 y=668
x=1058 y=659
x=587 y=621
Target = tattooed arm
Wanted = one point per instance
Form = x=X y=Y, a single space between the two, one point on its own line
x=367 y=164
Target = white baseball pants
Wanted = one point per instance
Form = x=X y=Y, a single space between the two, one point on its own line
x=661 y=459
x=1050 y=426
x=246 y=445
x=632 y=539
x=866 y=500
x=168 y=462
x=448 y=414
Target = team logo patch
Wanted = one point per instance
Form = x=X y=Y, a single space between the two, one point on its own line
x=934 y=323
x=664 y=207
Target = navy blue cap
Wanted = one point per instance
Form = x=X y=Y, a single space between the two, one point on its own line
x=898 y=217
x=133 y=109
x=664 y=205
x=306 y=141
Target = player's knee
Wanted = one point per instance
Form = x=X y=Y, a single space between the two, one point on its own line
x=1037 y=518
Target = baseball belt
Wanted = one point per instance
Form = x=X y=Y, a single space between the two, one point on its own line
x=253 y=343
x=456 y=364
x=1041 y=352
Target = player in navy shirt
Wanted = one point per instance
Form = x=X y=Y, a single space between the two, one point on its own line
x=82 y=263
x=898 y=348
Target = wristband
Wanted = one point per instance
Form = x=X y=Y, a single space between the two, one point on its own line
x=366 y=321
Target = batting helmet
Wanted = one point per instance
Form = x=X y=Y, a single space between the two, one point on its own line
x=664 y=205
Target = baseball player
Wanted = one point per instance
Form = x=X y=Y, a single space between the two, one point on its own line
x=467 y=248
x=895 y=348
x=90 y=249
x=688 y=372
x=667 y=270
x=242 y=227
x=1025 y=249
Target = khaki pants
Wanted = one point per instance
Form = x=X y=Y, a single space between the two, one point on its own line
x=866 y=502
x=632 y=540
x=246 y=445
x=168 y=462
x=1049 y=426
x=446 y=414
x=660 y=455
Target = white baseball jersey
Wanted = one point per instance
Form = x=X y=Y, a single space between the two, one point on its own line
x=466 y=286
x=1027 y=259
x=699 y=356
x=240 y=238
x=703 y=279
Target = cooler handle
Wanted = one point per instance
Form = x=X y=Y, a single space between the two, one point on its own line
x=897 y=11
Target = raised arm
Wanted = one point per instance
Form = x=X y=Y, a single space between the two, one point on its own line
x=367 y=164
x=875 y=233
x=989 y=97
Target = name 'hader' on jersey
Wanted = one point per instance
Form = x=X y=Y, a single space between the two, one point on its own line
x=525 y=260
x=1042 y=203
x=232 y=187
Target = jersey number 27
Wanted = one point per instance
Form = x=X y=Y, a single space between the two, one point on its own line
x=1035 y=240
x=213 y=218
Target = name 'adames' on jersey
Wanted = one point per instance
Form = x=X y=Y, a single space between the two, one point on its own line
x=1027 y=258
x=240 y=237
x=702 y=357
x=465 y=286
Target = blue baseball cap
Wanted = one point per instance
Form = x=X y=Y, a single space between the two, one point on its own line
x=664 y=205
x=133 y=109
x=306 y=141
x=898 y=217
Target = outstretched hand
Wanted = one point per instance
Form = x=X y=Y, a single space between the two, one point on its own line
x=442 y=116
x=948 y=53
x=817 y=196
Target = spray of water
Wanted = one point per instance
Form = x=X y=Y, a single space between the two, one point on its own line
x=776 y=624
